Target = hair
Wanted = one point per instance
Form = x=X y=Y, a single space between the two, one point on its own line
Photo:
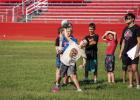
x=131 y=15
x=67 y=25
x=110 y=34
x=92 y=25
x=60 y=29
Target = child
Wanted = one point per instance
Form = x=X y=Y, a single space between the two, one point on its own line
x=59 y=48
x=111 y=39
x=68 y=64
x=91 y=52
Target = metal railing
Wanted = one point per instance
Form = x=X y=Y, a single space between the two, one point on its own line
x=35 y=7
x=19 y=10
x=1 y=18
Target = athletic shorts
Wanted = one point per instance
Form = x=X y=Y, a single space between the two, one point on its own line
x=109 y=63
x=91 y=65
x=58 y=62
x=127 y=61
x=67 y=70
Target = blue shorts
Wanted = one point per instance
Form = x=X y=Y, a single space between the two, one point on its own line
x=110 y=63
x=58 y=62
x=91 y=65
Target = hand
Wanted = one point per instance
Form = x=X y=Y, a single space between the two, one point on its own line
x=60 y=49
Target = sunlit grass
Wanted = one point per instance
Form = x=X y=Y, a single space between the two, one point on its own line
x=27 y=72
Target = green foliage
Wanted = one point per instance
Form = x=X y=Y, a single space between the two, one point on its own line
x=27 y=72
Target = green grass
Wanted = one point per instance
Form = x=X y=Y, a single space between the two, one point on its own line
x=27 y=72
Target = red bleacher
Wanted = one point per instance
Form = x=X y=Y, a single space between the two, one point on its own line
x=10 y=0
x=65 y=1
x=100 y=11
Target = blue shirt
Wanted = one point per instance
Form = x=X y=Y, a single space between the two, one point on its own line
x=65 y=42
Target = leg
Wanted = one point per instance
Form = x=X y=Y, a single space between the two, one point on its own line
x=86 y=70
x=62 y=73
x=124 y=76
x=86 y=74
x=136 y=72
x=57 y=73
x=72 y=73
x=124 y=72
x=95 y=77
x=75 y=80
x=130 y=75
x=108 y=77
x=65 y=79
x=96 y=69
x=112 y=77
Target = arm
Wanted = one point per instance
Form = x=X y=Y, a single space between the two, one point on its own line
x=57 y=49
x=104 y=36
x=122 y=48
x=112 y=32
x=93 y=41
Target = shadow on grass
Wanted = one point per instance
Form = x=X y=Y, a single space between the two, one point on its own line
x=90 y=84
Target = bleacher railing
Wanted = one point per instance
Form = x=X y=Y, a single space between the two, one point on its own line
x=1 y=18
x=35 y=7
x=23 y=10
x=19 y=10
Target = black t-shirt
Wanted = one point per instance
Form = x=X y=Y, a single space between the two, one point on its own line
x=57 y=44
x=57 y=41
x=91 y=50
x=130 y=37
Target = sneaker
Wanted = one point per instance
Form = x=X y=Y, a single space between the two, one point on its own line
x=130 y=86
x=55 y=89
x=79 y=90
x=95 y=81
x=138 y=87
x=124 y=82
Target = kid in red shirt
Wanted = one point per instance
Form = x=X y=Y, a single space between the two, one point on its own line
x=111 y=39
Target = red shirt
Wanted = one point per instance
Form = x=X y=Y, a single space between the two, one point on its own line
x=111 y=46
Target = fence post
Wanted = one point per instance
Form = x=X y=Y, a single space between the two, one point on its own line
x=13 y=14
x=26 y=16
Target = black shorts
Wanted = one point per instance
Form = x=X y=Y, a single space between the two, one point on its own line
x=91 y=65
x=127 y=61
x=110 y=63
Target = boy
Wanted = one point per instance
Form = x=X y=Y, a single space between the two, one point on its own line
x=111 y=39
x=68 y=64
x=59 y=48
x=91 y=52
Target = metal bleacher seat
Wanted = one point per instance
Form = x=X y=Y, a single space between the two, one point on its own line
x=6 y=9
x=87 y=10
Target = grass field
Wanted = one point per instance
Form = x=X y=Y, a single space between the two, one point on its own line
x=27 y=72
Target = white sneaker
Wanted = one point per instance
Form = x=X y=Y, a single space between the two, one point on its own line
x=130 y=86
x=95 y=81
x=79 y=90
x=138 y=87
